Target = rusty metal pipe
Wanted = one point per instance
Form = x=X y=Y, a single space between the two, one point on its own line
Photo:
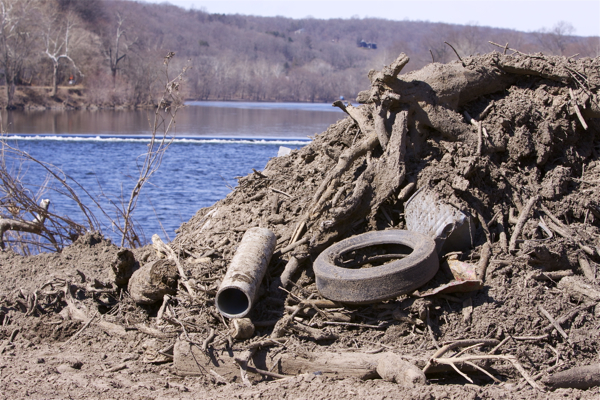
x=243 y=277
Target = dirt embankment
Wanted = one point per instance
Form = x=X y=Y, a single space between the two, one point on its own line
x=510 y=141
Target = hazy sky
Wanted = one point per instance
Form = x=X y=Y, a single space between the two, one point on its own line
x=524 y=15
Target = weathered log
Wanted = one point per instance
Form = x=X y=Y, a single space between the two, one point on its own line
x=152 y=281
x=578 y=377
x=190 y=360
x=579 y=289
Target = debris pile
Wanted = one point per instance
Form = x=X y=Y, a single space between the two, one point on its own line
x=508 y=143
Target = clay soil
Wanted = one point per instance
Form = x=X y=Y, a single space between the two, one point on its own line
x=69 y=327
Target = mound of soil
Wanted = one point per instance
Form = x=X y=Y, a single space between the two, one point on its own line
x=509 y=140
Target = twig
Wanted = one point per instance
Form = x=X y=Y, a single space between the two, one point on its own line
x=506 y=339
x=430 y=331
x=512 y=219
x=406 y=191
x=12 y=337
x=569 y=315
x=551 y=275
x=479 y=139
x=512 y=359
x=505 y=47
x=289 y=270
x=542 y=224
x=244 y=375
x=563 y=229
x=258 y=173
x=482 y=370
x=116 y=368
x=554 y=323
x=486 y=111
x=298 y=231
x=584 y=264
x=84 y=327
x=577 y=111
x=316 y=334
x=523 y=216
x=537 y=376
x=555 y=352
x=208 y=340
x=218 y=378
x=352 y=324
x=467 y=349
x=161 y=310
x=459 y=371
x=457 y=55
x=267 y=342
x=267 y=373
x=161 y=246
x=293 y=245
x=283 y=193
x=481 y=131
x=541 y=337
x=484 y=261
x=459 y=343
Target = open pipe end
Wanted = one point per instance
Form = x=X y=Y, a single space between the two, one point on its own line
x=233 y=302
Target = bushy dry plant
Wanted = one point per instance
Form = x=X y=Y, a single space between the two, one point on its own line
x=161 y=125
x=26 y=222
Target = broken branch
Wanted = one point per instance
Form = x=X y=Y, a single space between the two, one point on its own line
x=523 y=216
x=35 y=226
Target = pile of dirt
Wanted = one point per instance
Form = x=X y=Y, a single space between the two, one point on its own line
x=509 y=140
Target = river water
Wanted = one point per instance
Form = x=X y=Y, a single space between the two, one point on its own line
x=214 y=142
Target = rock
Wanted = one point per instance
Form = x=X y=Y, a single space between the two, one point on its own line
x=65 y=369
x=243 y=328
x=151 y=282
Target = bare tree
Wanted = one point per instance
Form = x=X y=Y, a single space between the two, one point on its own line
x=115 y=53
x=434 y=42
x=555 y=40
x=467 y=39
x=57 y=34
x=16 y=41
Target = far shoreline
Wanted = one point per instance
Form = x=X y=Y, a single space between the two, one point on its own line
x=37 y=98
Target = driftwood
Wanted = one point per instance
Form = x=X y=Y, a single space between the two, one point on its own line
x=585 y=266
x=35 y=226
x=189 y=359
x=578 y=377
x=577 y=288
x=551 y=275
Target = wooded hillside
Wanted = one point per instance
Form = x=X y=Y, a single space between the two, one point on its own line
x=112 y=51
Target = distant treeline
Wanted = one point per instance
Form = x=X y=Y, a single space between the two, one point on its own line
x=113 y=50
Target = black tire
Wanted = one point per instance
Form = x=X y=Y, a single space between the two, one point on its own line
x=368 y=285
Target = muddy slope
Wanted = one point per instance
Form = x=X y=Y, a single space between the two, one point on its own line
x=532 y=143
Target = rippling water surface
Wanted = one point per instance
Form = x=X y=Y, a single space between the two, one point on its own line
x=214 y=143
